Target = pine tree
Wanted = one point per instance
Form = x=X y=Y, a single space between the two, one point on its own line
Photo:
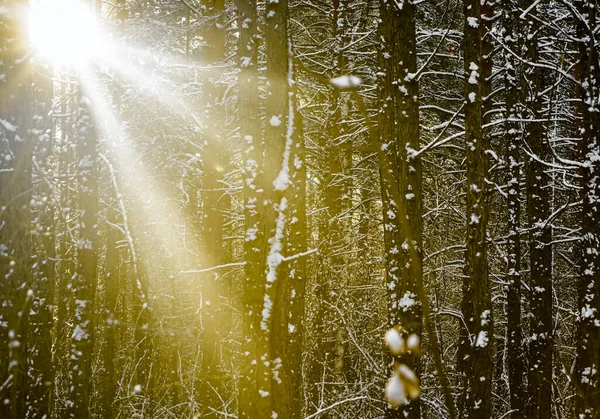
x=588 y=335
x=538 y=209
x=476 y=354
x=515 y=355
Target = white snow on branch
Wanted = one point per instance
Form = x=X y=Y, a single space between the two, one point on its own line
x=346 y=82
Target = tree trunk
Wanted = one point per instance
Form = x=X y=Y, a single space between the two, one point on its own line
x=337 y=199
x=215 y=290
x=254 y=377
x=85 y=277
x=476 y=354
x=409 y=174
x=515 y=360
x=296 y=273
x=40 y=394
x=587 y=403
x=540 y=252
x=279 y=140
x=66 y=246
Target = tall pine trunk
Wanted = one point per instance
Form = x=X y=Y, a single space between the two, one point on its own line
x=296 y=272
x=409 y=174
x=476 y=346
x=215 y=290
x=540 y=252
x=85 y=277
x=253 y=377
x=587 y=386
x=515 y=356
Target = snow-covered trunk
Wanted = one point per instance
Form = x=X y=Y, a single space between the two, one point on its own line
x=394 y=126
x=388 y=146
x=288 y=306
x=515 y=361
x=279 y=139
x=406 y=301
x=587 y=377
x=16 y=146
x=476 y=346
x=296 y=269
x=540 y=248
x=83 y=282
x=487 y=79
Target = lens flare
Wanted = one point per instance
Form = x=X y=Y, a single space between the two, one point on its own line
x=65 y=32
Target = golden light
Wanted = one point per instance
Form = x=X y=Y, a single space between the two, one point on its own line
x=66 y=32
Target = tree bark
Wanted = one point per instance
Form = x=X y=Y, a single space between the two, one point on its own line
x=476 y=352
x=254 y=376
x=215 y=290
x=587 y=404
x=84 y=280
x=515 y=356
x=409 y=173
x=540 y=252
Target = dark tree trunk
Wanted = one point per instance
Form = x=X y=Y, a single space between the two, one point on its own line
x=337 y=196
x=409 y=173
x=476 y=352
x=540 y=251
x=388 y=171
x=587 y=403
x=515 y=356
x=387 y=142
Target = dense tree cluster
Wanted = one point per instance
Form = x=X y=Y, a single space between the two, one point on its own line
x=300 y=209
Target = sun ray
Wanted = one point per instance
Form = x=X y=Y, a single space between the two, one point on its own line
x=134 y=177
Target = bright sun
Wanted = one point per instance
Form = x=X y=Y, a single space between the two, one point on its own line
x=65 y=32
